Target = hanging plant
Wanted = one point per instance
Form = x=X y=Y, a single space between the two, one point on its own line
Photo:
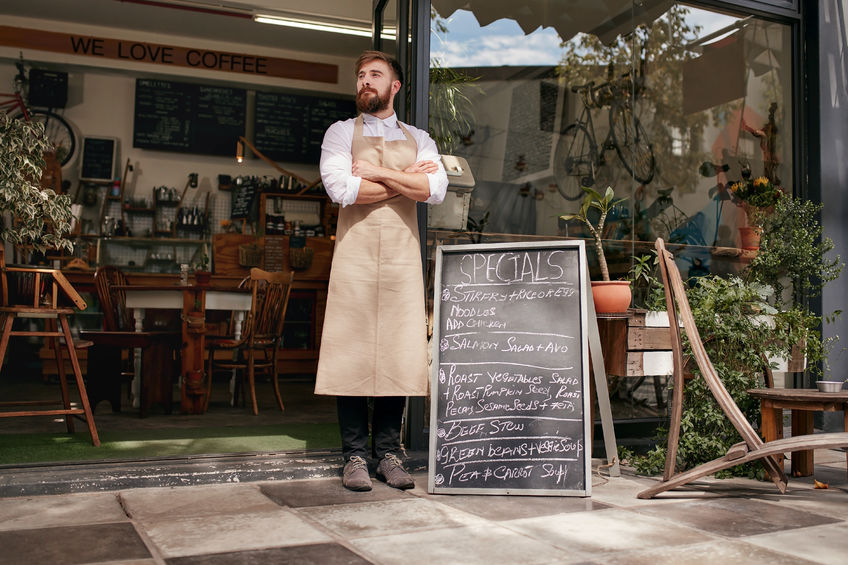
x=32 y=215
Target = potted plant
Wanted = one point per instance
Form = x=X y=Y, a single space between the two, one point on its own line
x=792 y=261
x=202 y=274
x=31 y=215
x=757 y=197
x=608 y=296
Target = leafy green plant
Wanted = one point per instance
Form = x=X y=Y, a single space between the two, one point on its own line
x=792 y=260
x=792 y=250
x=647 y=287
x=605 y=203
x=451 y=111
x=729 y=315
x=201 y=259
x=36 y=216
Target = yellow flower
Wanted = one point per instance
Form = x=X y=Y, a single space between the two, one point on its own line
x=735 y=187
x=760 y=182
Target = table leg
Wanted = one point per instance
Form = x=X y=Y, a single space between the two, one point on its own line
x=802 y=461
x=771 y=426
x=135 y=385
x=193 y=329
x=845 y=424
x=237 y=325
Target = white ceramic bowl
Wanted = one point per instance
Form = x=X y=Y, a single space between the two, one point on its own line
x=829 y=386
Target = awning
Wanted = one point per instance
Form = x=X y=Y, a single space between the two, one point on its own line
x=606 y=19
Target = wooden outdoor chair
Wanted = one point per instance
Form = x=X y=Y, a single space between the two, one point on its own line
x=257 y=349
x=752 y=448
x=112 y=356
x=41 y=293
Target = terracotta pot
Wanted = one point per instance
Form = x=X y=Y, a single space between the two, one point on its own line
x=202 y=278
x=611 y=296
x=750 y=237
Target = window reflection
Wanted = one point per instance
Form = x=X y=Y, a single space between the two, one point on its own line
x=667 y=103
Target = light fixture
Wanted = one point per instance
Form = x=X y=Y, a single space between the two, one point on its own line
x=239 y=152
x=316 y=25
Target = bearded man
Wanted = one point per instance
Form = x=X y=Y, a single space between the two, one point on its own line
x=374 y=339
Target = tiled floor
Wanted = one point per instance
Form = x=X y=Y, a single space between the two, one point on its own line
x=318 y=521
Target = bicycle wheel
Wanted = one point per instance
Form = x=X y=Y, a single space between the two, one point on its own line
x=631 y=144
x=575 y=162
x=59 y=132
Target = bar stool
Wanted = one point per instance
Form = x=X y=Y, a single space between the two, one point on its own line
x=45 y=306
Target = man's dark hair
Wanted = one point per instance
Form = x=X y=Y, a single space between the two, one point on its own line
x=369 y=56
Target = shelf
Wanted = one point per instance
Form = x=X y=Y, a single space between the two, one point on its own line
x=134 y=210
x=147 y=241
x=191 y=228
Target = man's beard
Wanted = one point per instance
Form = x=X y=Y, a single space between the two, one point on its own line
x=368 y=104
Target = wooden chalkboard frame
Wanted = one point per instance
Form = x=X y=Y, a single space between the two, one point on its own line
x=93 y=159
x=586 y=335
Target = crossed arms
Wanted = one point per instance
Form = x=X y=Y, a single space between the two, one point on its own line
x=379 y=183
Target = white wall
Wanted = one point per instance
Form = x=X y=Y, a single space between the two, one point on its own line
x=101 y=101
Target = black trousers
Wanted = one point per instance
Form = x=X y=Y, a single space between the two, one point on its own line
x=385 y=425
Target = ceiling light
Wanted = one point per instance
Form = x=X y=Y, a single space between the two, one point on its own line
x=360 y=31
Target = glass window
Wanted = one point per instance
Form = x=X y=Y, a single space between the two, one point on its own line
x=668 y=103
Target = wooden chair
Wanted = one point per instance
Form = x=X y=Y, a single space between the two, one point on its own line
x=258 y=346
x=752 y=448
x=118 y=341
x=42 y=300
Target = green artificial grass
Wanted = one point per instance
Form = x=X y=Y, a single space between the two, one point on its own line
x=172 y=442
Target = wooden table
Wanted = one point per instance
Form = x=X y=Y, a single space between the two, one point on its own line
x=802 y=403
x=193 y=300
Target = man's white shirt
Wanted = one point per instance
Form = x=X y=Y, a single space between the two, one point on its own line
x=336 y=158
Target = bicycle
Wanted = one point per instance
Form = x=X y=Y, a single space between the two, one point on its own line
x=56 y=128
x=577 y=160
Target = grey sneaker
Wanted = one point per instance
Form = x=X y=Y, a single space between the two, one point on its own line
x=392 y=472
x=355 y=474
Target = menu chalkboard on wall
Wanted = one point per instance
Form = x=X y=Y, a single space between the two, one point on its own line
x=290 y=127
x=510 y=407
x=187 y=117
x=98 y=158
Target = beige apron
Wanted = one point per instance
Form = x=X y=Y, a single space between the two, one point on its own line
x=374 y=340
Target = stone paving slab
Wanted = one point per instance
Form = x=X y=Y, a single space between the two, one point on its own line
x=231 y=532
x=150 y=504
x=711 y=552
x=480 y=544
x=325 y=492
x=607 y=530
x=325 y=554
x=735 y=517
x=381 y=518
x=820 y=544
x=72 y=545
x=68 y=510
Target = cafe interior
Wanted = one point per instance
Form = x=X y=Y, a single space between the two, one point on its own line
x=191 y=132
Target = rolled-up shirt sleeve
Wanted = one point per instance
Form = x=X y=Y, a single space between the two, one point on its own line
x=427 y=151
x=336 y=162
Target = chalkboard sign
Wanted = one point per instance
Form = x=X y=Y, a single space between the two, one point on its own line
x=187 y=117
x=98 y=158
x=290 y=127
x=243 y=198
x=510 y=406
